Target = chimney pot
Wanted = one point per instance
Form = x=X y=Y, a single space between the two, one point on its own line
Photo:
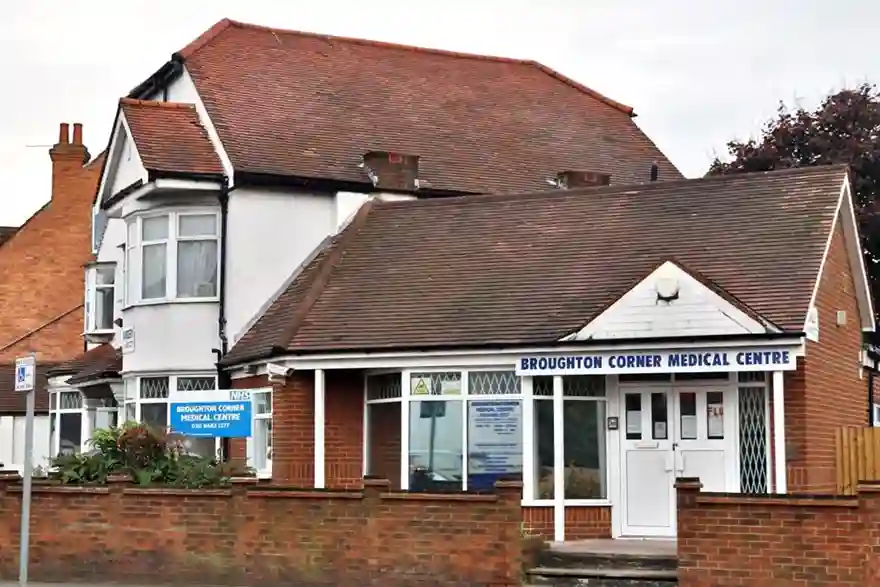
x=581 y=179
x=63 y=133
x=77 y=133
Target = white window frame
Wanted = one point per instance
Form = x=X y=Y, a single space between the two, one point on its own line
x=876 y=412
x=55 y=412
x=92 y=288
x=133 y=395
x=264 y=472
x=529 y=444
x=135 y=244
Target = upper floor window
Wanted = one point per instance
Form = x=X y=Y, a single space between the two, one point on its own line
x=177 y=257
x=100 y=297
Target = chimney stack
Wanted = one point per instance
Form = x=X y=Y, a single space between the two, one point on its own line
x=392 y=171
x=68 y=159
x=581 y=179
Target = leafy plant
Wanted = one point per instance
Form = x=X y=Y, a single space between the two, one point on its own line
x=147 y=455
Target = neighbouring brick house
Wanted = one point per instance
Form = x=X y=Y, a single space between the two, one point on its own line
x=251 y=146
x=41 y=266
x=596 y=343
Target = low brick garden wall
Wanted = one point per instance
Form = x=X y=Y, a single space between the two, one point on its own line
x=779 y=541
x=254 y=535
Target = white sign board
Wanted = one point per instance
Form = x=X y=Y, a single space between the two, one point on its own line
x=127 y=340
x=25 y=373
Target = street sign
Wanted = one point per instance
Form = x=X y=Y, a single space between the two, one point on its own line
x=25 y=373
x=221 y=413
x=25 y=382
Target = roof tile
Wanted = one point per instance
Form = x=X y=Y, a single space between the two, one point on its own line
x=14 y=402
x=530 y=269
x=170 y=137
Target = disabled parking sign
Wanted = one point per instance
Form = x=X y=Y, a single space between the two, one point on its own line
x=25 y=373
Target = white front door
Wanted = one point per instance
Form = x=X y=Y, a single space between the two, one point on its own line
x=668 y=432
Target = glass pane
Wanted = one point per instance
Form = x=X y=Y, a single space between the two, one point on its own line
x=155 y=228
x=659 y=416
x=263 y=403
x=383 y=459
x=198 y=225
x=70 y=400
x=131 y=273
x=493 y=383
x=155 y=414
x=203 y=447
x=263 y=444
x=542 y=386
x=384 y=386
x=494 y=442
x=196 y=269
x=715 y=414
x=195 y=384
x=53 y=430
x=130 y=414
x=633 y=416
x=435 y=450
x=583 y=385
x=154 y=271
x=70 y=431
x=131 y=234
x=545 y=452
x=687 y=404
x=105 y=275
x=584 y=438
x=104 y=308
x=154 y=387
x=435 y=383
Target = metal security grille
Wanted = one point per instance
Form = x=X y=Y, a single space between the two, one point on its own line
x=70 y=400
x=493 y=383
x=542 y=386
x=195 y=383
x=583 y=386
x=154 y=387
x=752 y=439
x=384 y=386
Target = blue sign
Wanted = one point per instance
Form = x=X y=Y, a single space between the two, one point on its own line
x=231 y=418
x=686 y=361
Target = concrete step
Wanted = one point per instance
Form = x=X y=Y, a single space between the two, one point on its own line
x=602 y=577
x=558 y=559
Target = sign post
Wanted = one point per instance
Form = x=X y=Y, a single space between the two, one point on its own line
x=25 y=380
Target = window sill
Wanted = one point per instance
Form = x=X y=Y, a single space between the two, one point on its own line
x=166 y=302
x=538 y=503
x=264 y=474
x=98 y=332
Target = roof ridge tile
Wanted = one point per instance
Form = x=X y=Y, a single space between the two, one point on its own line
x=157 y=104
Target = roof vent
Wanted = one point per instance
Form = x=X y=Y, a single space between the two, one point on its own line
x=392 y=171
x=580 y=179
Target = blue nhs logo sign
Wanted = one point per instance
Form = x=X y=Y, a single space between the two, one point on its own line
x=221 y=413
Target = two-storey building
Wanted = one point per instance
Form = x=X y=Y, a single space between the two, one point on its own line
x=230 y=165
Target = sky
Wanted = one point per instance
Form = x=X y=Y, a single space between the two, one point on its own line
x=697 y=73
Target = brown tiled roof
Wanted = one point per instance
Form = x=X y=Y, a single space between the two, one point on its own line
x=13 y=402
x=97 y=363
x=170 y=137
x=309 y=105
x=530 y=269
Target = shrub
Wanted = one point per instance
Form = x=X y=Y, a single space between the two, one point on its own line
x=147 y=455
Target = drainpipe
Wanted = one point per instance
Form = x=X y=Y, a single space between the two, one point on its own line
x=871 y=374
x=223 y=380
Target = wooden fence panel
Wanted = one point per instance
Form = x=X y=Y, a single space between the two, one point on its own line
x=858 y=457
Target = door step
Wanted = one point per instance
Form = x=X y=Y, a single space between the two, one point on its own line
x=599 y=577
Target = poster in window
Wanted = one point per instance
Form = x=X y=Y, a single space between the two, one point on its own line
x=494 y=441
x=715 y=420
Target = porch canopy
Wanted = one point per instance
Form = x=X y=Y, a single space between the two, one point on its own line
x=687 y=277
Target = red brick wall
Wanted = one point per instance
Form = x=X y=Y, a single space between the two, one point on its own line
x=580 y=522
x=822 y=541
x=265 y=536
x=41 y=267
x=834 y=393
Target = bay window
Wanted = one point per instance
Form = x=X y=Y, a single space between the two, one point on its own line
x=147 y=401
x=100 y=297
x=172 y=256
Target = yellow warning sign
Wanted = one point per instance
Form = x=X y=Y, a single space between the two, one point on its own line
x=420 y=387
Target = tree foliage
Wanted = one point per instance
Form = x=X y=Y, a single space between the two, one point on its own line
x=844 y=128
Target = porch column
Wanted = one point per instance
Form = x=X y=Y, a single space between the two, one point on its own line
x=319 y=428
x=558 y=461
x=779 y=432
x=528 y=445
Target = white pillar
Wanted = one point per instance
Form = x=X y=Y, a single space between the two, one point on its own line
x=405 y=383
x=319 y=428
x=558 y=461
x=779 y=432
x=528 y=446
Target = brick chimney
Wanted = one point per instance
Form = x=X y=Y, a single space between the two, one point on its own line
x=581 y=179
x=392 y=171
x=68 y=157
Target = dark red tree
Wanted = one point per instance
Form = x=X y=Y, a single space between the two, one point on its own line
x=844 y=128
